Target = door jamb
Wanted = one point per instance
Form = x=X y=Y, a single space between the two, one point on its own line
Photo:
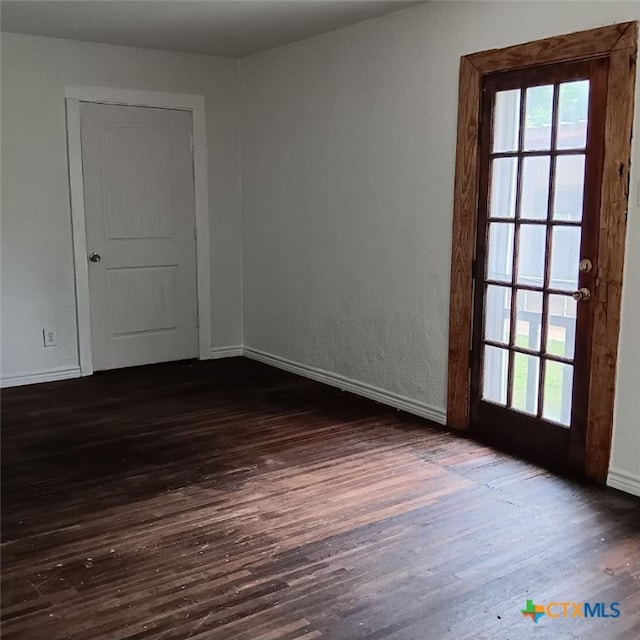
x=74 y=95
x=618 y=43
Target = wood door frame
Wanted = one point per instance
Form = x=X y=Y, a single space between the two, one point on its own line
x=74 y=95
x=617 y=43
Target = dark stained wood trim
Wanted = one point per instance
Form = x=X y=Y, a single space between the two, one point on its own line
x=613 y=224
x=480 y=258
x=589 y=248
x=617 y=43
x=581 y=45
x=464 y=224
x=629 y=39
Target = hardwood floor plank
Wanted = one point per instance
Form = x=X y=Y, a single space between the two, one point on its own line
x=227 y=500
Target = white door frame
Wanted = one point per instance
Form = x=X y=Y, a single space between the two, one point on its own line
x=74 y=95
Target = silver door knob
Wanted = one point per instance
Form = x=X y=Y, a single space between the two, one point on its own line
x=581 y=295
x=95 y=257
x=585 y=265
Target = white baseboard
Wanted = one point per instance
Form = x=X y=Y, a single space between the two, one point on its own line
x=319 y=375
x=226 y=352
x=617 y=479
x=43 y=376
x=625 y=481
x=346 y=384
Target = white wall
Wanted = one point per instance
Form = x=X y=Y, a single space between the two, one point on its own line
x=348 y=144
x=37 y=259
x=348 y=147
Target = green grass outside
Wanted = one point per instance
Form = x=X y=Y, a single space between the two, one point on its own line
x=554 y=381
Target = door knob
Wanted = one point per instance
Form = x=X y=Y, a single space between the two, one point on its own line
x=95 y=257
x=581 y=295
x=585 y=265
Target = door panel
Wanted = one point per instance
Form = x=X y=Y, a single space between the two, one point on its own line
x=541 y=170
x=139 y=212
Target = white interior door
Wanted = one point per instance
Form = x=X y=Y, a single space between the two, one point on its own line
x=139 y=211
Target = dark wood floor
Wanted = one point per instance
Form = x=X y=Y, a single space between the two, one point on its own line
x=228 y=500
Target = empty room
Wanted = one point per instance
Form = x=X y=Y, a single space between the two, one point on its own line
x=319 y=320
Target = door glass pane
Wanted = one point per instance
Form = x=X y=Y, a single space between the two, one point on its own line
x=573 y=110
x=504 y=177
x=534 y=198
x=531 y=253
x=524 y=395
x=494 y=372
x=558 y=387
x=540 y=197
x=569 y=188
x=497 y=314
x=500 y=251
x=561 y=326
x=529 y=315
x=506 y=121
x=538 y=110
x=565 y=258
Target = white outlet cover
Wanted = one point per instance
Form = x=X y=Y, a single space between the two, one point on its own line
x=49 y=337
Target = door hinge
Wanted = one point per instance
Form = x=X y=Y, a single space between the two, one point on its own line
x=195 y=233
x=191 y=140
x=470 y=357
x=473 y=268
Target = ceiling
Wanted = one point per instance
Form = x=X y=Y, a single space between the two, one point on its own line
x=229 y=28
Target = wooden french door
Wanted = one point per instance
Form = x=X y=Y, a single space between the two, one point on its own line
x=536 y=272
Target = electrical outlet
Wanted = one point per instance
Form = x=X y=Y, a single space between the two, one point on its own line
x=49 y=336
